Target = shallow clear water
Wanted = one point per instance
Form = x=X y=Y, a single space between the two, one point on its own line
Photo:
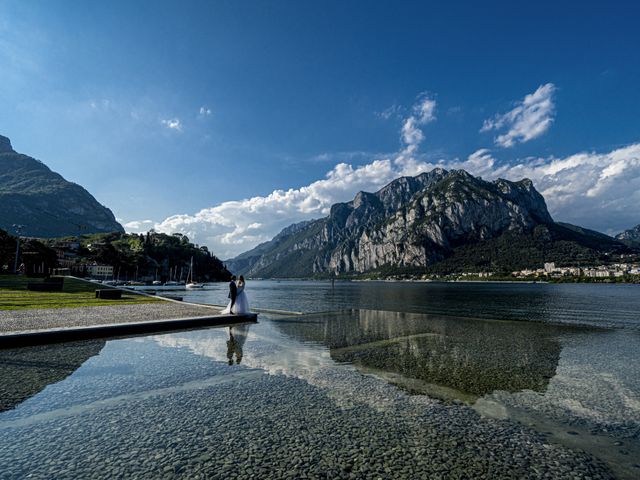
x=344 y=394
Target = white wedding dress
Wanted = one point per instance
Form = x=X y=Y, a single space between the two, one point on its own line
x=241 y=306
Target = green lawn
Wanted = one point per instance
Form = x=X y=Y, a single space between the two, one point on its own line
x=75 y=293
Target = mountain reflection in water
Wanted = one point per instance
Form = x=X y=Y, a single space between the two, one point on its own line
x=26 y=371
x=446 y=357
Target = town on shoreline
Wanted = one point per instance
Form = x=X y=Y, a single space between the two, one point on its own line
x=158 y=259
x=550 y=273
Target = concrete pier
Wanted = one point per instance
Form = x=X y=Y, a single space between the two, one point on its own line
x=75 y=333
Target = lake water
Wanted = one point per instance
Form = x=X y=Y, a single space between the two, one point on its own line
x=376 y=380
x=601 y=305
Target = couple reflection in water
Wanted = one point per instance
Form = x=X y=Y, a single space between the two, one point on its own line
x=237 y=337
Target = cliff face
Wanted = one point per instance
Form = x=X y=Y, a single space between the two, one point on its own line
x=412 y=222
x=44 y=202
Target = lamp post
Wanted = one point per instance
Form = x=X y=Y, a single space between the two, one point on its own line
x=18 y=229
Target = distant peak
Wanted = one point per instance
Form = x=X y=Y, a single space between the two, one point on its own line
x=5 y=145
x=461 y=173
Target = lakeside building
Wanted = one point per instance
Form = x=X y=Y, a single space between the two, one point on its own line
x=602 y=271
x=99 y=271
x=65 y=257
x=69 y=245
x=477 y=274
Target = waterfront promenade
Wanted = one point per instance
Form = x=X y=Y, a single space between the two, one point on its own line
x=13 y=321
x=23 y=326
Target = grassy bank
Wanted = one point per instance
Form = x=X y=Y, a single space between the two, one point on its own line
x=75 y=293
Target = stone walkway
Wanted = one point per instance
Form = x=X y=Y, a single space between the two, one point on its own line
x=13 y=321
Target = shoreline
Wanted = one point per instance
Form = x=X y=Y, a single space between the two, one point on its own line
x=548 y=282
x=35 y=319
x=382 y=280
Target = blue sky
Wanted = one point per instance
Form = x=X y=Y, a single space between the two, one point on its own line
x=192 y=116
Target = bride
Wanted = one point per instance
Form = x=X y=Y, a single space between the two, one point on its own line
x=241 y=305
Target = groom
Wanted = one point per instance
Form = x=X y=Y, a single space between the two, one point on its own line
x=233 y=292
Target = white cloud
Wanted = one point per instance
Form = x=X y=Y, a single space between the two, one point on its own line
x=233 y=227
x=172 y=124
x=425 y=109
x=137 y=225
x=392 y=111
x=481 y=162
x=204 y=111
x=594 y=190
x=411 y=134
x=338 y=157
x=530 y=118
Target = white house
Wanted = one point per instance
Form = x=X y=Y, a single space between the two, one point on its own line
x=100 y=271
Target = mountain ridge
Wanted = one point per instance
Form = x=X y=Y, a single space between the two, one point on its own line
x=630 y=236
x=44 y=202
x=415 y=223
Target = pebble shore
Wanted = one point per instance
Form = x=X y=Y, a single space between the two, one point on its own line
x=144 y=409
x=278 y=427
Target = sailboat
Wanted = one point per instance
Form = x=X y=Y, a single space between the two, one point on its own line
x=190 y=283
x=170 y=282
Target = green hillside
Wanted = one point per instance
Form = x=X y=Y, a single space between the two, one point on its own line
x=43 y=202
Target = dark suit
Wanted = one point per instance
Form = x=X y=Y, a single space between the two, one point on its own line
x=233 y=293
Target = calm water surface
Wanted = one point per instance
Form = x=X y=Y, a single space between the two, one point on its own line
x=391 y=380
x=590 y=304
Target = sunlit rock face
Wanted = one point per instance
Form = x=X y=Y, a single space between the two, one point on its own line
x=412 y=222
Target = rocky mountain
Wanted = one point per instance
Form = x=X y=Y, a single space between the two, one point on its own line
x=418 y=223
x=631 y=236
x=243 y=262
x=44 y=202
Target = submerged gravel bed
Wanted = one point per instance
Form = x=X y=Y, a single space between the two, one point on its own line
x=177 y=405
x=264 y=426
x=38 y=319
